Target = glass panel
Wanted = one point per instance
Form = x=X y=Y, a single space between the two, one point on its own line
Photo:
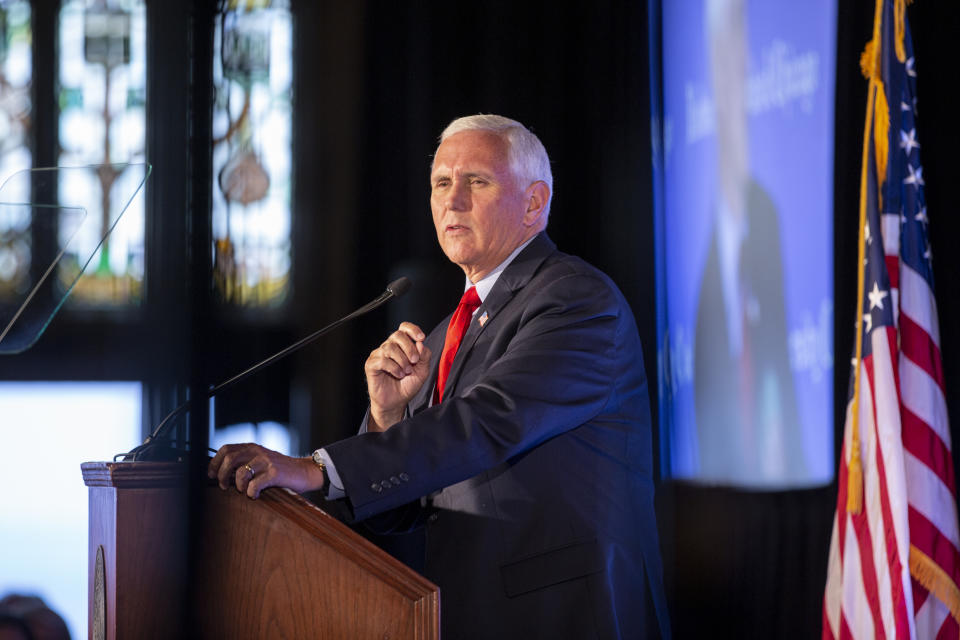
x=102 y=122
x=56 y=236
x=252 y=73
x=15 y=117
x=43 y=530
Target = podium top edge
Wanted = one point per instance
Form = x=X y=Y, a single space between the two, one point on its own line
x=130 y=475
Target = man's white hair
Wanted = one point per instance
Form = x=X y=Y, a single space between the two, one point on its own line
x=528 y=157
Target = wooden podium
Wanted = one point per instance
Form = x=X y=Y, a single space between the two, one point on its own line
x=276 y=567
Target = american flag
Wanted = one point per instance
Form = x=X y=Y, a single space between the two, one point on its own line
x=894 y=563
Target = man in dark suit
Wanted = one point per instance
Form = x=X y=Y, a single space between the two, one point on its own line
x=521 y=450
x=748 y=431
x=746 y=410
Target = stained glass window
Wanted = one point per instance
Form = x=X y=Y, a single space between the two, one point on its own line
x=252 y=152
x=102 y=88
x=16 y=71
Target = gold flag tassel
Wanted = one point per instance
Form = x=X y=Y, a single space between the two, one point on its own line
x=935 y=580
x=854 y=467
x=869 y=64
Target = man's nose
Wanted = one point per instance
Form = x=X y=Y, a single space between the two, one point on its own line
x=458 y=196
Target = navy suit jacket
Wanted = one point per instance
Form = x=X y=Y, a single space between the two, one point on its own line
x=532 y=480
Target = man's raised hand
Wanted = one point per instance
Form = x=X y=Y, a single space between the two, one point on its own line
x=395 y=371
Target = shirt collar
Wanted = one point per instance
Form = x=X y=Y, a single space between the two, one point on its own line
x=486 y=283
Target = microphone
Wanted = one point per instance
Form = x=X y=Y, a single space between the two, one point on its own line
x=152 y=448
x=399 y=286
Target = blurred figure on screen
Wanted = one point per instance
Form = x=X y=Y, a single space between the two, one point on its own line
x=747 y=424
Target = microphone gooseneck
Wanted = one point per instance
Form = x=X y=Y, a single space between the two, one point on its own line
x=153 y=444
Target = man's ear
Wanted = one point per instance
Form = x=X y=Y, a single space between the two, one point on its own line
x=537 y=195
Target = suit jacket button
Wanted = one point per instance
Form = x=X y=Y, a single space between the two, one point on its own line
x=404 y=477
x=395 y=480
x=376 y=488
x=433 y=517
x=385 y=484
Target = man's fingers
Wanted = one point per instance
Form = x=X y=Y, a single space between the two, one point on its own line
x=228 y=462
x=399 y=353
x=397 y=356
x=213 y=469
x=401 y=344
x=416 y=333
x=410 y=338
x=379 y=363
x=228 y=466
x=259 y=483
x=252 y=468
x=215 y=463
x=244 y=474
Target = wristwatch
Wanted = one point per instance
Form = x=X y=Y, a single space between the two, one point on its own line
x=325 y=489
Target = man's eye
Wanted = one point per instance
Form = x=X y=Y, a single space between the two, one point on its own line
x=478 y=181
x=439 y=184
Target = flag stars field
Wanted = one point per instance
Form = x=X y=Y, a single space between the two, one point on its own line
x=876 y=297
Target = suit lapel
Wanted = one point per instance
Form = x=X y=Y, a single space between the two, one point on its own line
x=517 y=274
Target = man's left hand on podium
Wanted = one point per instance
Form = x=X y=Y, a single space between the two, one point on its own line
x=252 y=468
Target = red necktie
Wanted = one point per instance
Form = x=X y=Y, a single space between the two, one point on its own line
x=455 y=330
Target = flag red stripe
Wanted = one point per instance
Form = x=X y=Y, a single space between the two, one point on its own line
x=925 y=444
x=917 y=345
x=893 y=270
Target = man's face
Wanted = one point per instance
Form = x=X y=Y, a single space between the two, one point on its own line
x=478 y=207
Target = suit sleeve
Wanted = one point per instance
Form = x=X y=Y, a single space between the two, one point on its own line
x=555 y=373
